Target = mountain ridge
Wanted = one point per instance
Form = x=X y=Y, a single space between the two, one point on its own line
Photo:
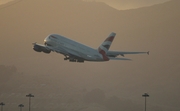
x=153 y=28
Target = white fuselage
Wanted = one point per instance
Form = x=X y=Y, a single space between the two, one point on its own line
x=77 y=52
x=67 y=47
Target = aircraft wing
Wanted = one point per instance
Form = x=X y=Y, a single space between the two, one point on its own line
x=122 y=53
x=41 y=48
x=113 y=58
x=48 y=49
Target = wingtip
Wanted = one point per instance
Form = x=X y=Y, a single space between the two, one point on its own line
x=113 y=34
x=34 y=43
x=113 y=58
x=148 y=52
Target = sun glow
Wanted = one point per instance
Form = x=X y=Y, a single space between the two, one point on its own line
x=4 y=1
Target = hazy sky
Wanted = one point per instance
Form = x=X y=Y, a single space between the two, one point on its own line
x=128 y=4
x=154 y=29
x=119 y=4
x=4 y=1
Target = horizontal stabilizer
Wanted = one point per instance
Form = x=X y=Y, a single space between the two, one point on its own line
x=113 y=58
x=122 y=53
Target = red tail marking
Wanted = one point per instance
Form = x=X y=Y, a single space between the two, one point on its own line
x=110 y=39
x=103 y=53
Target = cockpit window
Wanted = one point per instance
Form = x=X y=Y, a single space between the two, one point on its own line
x=52 y=37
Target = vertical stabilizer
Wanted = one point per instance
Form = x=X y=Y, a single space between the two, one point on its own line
x=104 y=47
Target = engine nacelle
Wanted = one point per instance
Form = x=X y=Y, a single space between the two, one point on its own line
x=38 y=48
x=46 y=51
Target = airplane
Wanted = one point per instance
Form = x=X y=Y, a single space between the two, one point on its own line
x=77 y=52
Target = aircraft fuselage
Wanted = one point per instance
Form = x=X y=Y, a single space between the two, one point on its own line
x=69 y=47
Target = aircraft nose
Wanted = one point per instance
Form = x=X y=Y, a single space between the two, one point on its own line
x=49 y=42
x=46 y=40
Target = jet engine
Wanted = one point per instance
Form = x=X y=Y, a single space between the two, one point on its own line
x=38 y=48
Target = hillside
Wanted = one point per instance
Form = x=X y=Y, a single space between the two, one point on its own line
x=154 y=28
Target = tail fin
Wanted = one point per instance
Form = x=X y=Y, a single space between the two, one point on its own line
x=107 y=43
x=104 y=47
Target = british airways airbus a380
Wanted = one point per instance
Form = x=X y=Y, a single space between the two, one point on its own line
x=77 y=52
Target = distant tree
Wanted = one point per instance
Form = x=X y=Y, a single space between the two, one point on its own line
x=113 y=103
x=156 y=108
x=6 y=72
x=116 y=104
x=2 y=68
x=13 y=69
x=95 y=96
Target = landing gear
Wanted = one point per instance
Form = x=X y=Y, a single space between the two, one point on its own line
x=66 y=58
x=70 y=59
x=80 y=60
x=73 y=59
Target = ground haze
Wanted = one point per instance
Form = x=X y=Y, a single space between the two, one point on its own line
x=114 y=85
